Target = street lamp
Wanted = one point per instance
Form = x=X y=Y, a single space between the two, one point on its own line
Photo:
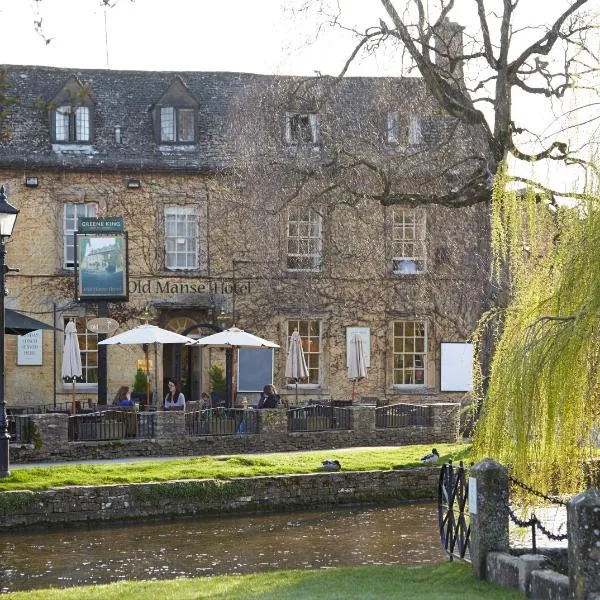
x=8 y=216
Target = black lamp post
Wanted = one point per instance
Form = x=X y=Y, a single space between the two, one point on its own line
x=8 y=216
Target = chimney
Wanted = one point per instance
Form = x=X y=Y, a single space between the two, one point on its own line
x=448 y=38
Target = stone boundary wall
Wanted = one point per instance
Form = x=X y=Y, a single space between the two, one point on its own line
x=51 y=437
x=530 y=573
x=71 y=506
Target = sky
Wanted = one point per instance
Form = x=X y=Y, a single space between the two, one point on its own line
x=255 y=36
x=259 y=36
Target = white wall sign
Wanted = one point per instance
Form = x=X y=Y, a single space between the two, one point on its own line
x=456 y=367
x=29 y=348
x=365 y=334
x=473 y=495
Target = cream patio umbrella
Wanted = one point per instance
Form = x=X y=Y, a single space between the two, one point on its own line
x=71 y=363
x=145 y=335
x=295 y=364
x=357 y=369
x=232 y=339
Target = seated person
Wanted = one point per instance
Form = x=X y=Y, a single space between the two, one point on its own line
x=205 y=401
x=174 y=400
x=269 y=397
x=123 y=397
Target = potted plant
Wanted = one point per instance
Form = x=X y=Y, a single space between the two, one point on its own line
x=218 y=386
x=139 y=387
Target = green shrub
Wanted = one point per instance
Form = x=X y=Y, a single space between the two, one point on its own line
x=217 y=379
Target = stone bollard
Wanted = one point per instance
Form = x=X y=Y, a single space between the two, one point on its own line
x=583 y=528
x=363 y=419
x=488 y=505
x=272 y=420
x=445 y=420
x=170 y=424
x=51 y=431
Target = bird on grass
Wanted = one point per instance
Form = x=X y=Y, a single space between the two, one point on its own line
x=433 y=456
x=331 y=465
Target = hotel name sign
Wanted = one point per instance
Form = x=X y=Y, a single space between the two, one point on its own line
x=198 y=286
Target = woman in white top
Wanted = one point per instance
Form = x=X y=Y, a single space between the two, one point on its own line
x=174 y=400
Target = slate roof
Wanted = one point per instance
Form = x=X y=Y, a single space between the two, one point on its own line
x=126 y=98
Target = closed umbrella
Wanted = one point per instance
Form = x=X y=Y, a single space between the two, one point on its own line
x=71 y=364
x=357 y=369
x=295 y=364
x=145 y=335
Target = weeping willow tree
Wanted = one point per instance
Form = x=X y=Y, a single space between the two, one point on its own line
x=541 y=412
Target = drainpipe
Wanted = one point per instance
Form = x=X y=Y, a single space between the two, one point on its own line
x=54 y=352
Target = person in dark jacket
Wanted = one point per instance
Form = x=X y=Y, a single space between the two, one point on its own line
x=269 y=397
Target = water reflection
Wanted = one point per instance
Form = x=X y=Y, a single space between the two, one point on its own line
x=233 y=545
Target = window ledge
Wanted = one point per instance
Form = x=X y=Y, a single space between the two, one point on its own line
x=71 y=148
x=294 y=272
x=305 y=388
x=169 y=148
x=187 y=273
x=416 y=389
x=80 y=387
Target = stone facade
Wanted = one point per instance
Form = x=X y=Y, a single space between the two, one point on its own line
x=73 y=506
x=241 y=177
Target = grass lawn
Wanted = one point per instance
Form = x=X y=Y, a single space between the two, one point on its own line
x=450 y=581
x=225 y=467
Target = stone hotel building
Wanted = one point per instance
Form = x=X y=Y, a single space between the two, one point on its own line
x=273 y=203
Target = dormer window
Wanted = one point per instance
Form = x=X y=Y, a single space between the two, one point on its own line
x=72 y=124
x=301 y=128
x=72 y=115
x=175 y=116
x=176 y=124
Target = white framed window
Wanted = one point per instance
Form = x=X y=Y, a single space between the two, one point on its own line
x=72 y=124
x=410 y=353
x=310 y=334
x=301 y=128
x=176 y=124
x=415 y=131
x=181 y=237
x=304 y=239
x=71 y=213
x=88 y=349
x=408 y=241
x=393 y=127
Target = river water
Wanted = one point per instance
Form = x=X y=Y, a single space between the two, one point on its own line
x=405 y=534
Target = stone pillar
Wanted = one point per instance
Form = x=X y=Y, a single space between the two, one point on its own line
x=363 y=419
x=583 y=528
x=445 y=420
x=488 y=505
x=272 y=420
x=51 y=431
x=170 y=424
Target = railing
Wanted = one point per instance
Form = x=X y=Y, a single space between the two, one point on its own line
x=111 y=425
x=403 y=415
x=59 y=407
x=319 y=418
x=222 y=421
x=534 y=521
x=20 y=428
x=453 y=513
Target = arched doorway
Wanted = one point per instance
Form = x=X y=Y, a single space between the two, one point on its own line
x=184 y=363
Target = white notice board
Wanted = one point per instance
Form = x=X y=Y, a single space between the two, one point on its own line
x=29 y=348
x=456 y=367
